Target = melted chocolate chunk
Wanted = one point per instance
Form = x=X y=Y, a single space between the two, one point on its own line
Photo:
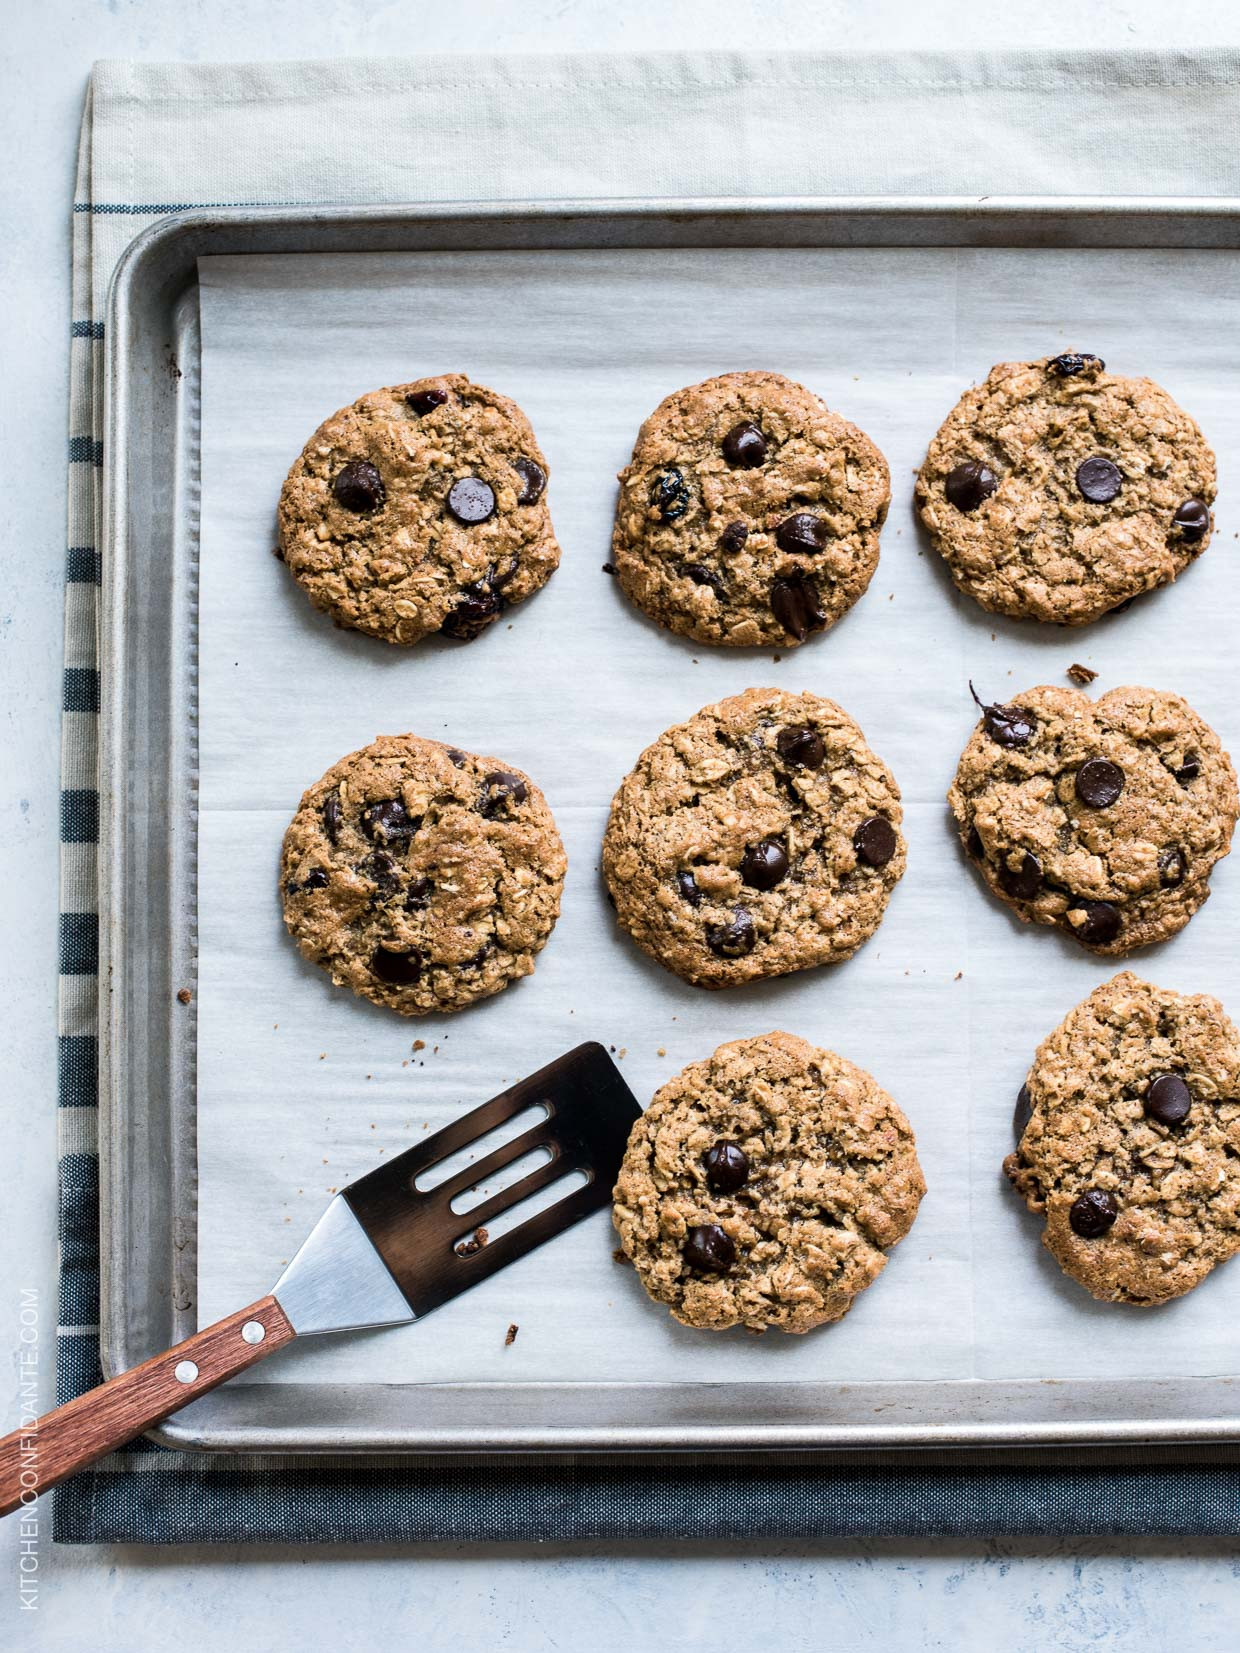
x=480 y=605
x=1007 y=726
x=398 y=969
x=1192 y=519
x=389 y=821
x=1099 y=480
x=1093 y=1213
x=1024 y=881
x=471 y=501
x=802 y=535
x=1073 y=362
x=727 y=1167
x=533 y=481
x=701 y=575
x=1172 y=867
x=1099 y=782
x=733 y=537
x=709 y=1249
x=359 y=487
x=333 y=820
x=422 y=401
x=1101 y=922
x=686 y=883
x=1023 y=1113
x=765 y=864
x=797 y=604
x=969 y=485
x=875 y=841
x=801 y=747
x=744 y=447
x=501 y=792
x=734 y=939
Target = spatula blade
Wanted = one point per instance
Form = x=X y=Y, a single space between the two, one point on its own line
x=387 y=1251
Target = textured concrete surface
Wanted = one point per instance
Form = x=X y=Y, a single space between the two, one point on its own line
x=1146 y=1595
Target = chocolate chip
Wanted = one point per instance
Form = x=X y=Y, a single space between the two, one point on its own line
x=1192 y=519
x=1072 y=362
x=1025 y=881
x=533 y=480
x=801 y=747
x=1189 y=769
x=733 y=537
x=669 y=494
x=701 y=575
x=359 y=487
x=474 y=613
x=974 y=844
x=1098 y=480
x=1168 y=1100
x=967 y=486
x=333 y=820
x=422 y=401
x=875 y=841
x=1008 y=726
x=610 y=568
x=383 y=822
x=1099 y=782
x=471 y=500
x=727 y=1167
x=765 y=864
x=397 y=969
x=734 y=939
x=457 y=759
x=1100 y=922
x=796 y=604
x=501 y=791
x=708 y=1249
x=686 y=883
x=802 y=534
x=1093 y=1213
x=1172 y=867
x=418 y=896
x=1024 y=1111
x=382 y=869
x=744 y=447
x=315 y=879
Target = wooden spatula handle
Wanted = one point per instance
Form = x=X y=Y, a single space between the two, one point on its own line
x=31 y=1460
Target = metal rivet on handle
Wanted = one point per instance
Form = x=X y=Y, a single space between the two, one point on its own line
x=186 y=1372
x=253 y=1331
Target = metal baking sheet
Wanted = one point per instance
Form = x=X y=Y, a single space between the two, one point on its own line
x=840 y=1388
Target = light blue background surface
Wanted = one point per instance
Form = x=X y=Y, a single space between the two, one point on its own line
x=1143 y=1595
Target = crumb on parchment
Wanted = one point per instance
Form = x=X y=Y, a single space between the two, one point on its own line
x=510 y=1336
x=1081 y=674
x=184 y=996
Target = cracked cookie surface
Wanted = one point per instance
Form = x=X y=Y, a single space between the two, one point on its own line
x=1103 y=818
x=422 y=877
x=420 y=508
x=1057 y=491
x=764 y=1186
x=1131 y=1152
x=760 y=837
x=749 y=512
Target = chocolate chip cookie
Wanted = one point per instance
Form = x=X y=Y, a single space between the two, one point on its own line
x=749 y=512
x=760 y=837
x=1057 y=491
x=422 y=877
x=1103 y=818
x=420 y=508
x=764 y=1186
x=1131 y=1146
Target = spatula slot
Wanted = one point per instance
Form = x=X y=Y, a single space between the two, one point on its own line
x=506 y=1177
x=443 y=1170
x=542 y=1199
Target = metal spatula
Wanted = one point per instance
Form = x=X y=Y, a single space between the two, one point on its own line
x=384 y=1251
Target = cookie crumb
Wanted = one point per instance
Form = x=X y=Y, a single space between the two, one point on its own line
x=510 y=1336
x=661 y=1051
x=184 y=996
x=419 y=1044
x=958 y=975
x=1081 y=674
x=472 y=1243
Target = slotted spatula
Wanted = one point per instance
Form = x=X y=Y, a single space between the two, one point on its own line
x=383 y=1252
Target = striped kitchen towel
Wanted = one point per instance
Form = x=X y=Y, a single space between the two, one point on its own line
x=157 y=138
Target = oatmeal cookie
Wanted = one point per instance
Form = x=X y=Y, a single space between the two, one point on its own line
x=1058 y=491
x=1103 y=818
x=420 y=508
x=764 y=1186
x=1130 y=1142
x=749 y=512
x=422 y=877
x=760 y=837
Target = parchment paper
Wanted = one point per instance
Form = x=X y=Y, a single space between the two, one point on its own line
x=302 y=1087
